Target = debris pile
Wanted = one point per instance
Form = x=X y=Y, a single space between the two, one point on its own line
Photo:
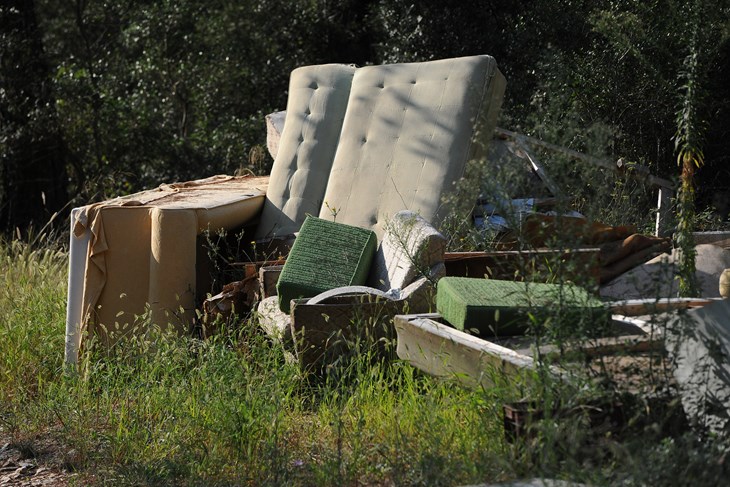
x=347 y=228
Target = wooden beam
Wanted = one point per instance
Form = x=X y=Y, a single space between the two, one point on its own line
x=638 y=307
x=641 y=172
x=444 y=351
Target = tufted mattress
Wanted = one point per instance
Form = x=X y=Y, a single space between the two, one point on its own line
x=360 y=144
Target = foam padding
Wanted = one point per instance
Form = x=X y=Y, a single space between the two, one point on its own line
x=494 y=307
x=325 y=255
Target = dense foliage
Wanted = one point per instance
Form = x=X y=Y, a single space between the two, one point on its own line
x=104 y=97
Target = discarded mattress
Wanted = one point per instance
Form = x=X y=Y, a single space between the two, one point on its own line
x=495 y=308
x=325 y=255
x=394 y=137
x=318 y=98
x=141 y=250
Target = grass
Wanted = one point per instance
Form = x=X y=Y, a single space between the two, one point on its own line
x=231 y=411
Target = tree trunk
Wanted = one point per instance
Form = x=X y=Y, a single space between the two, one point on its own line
x=33 y=176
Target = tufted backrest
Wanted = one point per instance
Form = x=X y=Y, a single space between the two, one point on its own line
x=359 y=145
x=315 y=109
x=409 y=133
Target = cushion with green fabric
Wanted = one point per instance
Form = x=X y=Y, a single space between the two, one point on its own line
x=325 y=255
x=494 y=307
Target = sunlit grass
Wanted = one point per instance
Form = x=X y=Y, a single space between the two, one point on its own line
x=166 y=410
x=227 y=410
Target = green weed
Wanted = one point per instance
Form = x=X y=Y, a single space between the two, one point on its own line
x=230 y=410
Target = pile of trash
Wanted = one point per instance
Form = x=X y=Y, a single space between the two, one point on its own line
x=346 y=246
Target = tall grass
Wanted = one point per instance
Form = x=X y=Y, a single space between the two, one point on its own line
x=227 y=411
x=166 y=410
x=32 y=311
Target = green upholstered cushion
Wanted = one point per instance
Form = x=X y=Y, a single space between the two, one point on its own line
x=495 y=307
x=325 y=255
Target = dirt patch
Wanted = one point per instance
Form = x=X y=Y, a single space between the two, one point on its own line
x=34 y=462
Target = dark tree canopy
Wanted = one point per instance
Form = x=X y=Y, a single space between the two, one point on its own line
x=33 y=173
x=101 y=98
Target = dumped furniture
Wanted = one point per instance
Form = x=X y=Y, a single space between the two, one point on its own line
x=430 y=344
x=359 y=144
x=324 y=256
x=628 y=351
x=140 y=254
x=492 y=307
x=471 y=348
x=441 y=350
x=408 y=260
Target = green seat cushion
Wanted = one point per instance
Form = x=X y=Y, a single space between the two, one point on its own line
x=493 y=307
x=325 y=255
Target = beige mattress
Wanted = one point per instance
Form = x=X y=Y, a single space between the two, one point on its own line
x=361 y=144
x=411 y=131
x=314 y=113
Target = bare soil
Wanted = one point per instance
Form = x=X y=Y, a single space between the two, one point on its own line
x=36 y=461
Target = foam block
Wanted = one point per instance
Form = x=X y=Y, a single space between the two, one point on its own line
x=325 y=255
x=495 y=307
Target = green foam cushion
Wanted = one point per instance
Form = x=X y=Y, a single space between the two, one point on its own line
x=494 y=307
x=325 y=255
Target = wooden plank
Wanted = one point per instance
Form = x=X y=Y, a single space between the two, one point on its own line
x=721 y=239
x=600 y=347
x=443 y=351
x=637 y=307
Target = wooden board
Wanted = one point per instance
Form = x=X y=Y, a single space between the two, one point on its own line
x=580 y=265
x=443 y=351
x=637 y=307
